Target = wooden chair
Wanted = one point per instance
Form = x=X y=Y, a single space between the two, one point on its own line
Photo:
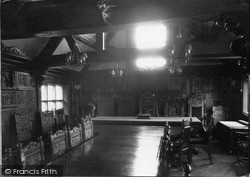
x=58 y=143
x=60 y=120
x=75 y=136
x=202 y=137
x=32 y=154
x=48 y=121
x=182 y=146
x=88 y=131
x=9 y=158
x=242 y=146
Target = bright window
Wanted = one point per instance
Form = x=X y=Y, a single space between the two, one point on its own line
x=245 y=96
x=151 y=36
x=51 y=97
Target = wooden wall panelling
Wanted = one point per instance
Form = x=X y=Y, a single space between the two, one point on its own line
x=23 y=80
x=7 y=78
x=177 y=84
x=9 y=138
x=106 y=105
x=20 y=97
x=127 y=105
x=23 y=119
x=149 y=103
x=198 y=85
x=8 y=98
x=174 y=105
x=185 y=84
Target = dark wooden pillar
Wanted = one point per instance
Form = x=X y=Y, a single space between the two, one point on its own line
x=100 y=41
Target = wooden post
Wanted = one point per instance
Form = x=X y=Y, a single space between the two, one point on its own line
x=248 y=115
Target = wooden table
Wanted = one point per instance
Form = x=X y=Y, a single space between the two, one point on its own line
x=130 y=120
x=226 y=130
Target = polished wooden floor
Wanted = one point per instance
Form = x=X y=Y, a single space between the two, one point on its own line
x=131 y=150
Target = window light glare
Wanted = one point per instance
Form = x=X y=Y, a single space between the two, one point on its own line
x=150 y=63
x=150 y=36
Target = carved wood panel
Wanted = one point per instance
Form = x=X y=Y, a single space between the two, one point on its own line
x=58 y=142
x=174 y=105
x=23 y=80
x=32 y=154
x=6 y=80
x=23 y=124
x=20 y=97
x=75 y=136
x=177 y=84
x=8 y=98
x=87 y=128
x=60 y=117
x=48 y=122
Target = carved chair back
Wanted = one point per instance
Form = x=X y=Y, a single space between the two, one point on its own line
x=59 y=142
x=48 y=122
x=88 y=131
x=60 y=120
x=32 y=154
x=75 y=136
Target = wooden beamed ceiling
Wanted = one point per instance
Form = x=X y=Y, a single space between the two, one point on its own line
x=72 y=19
x=29 y=19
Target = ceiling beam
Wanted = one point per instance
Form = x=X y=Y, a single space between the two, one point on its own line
x=85 y=40
x=55 y=18
x=110 y=56
x=51 y=46
x=72 y=44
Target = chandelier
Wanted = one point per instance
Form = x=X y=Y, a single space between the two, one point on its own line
x=76 y=57
x=174 y=66
x=116 y=72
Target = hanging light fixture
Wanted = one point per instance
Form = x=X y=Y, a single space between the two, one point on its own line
x=117 y=72
x=76 y=57
x=173 y=64
x=188 y=52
